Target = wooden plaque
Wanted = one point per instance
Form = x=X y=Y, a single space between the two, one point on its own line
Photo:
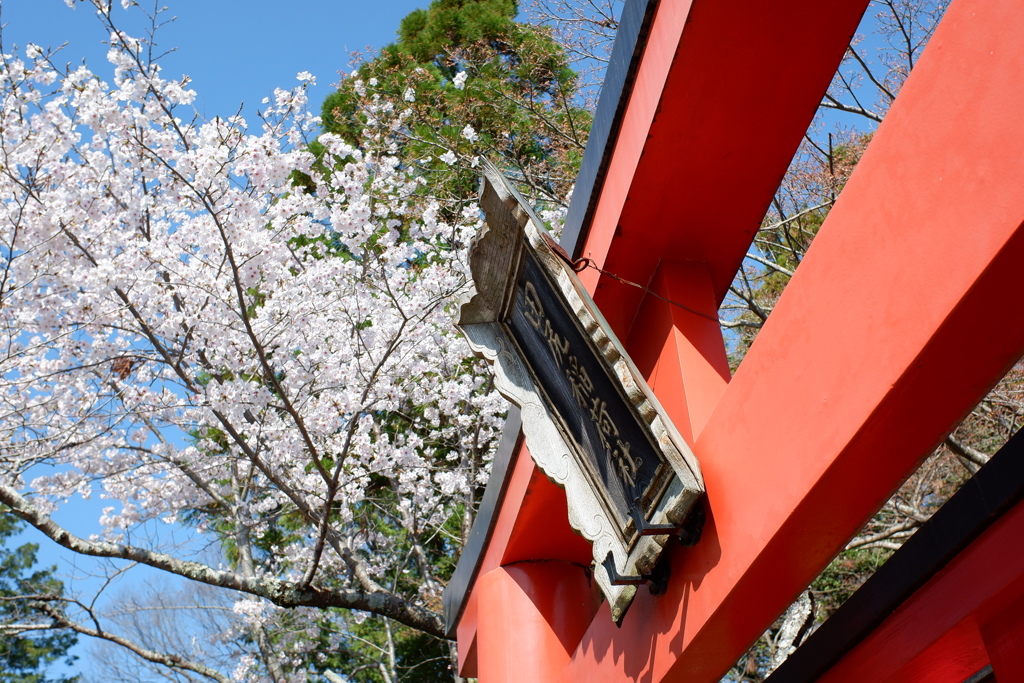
x=590 y=421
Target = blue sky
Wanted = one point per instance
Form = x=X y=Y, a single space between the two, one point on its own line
x=234 y=50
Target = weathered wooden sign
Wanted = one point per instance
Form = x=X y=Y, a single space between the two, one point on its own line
x=590 y=421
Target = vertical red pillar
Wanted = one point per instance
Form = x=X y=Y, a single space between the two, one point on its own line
x=676 y=342
x=532 y=616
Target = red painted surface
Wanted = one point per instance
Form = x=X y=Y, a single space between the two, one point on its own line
x=522 y=472
x=886 y=337
x=1003 y=633
x=953 y=658
x=757 y=31
x=724 y=94
x=934 y=636
x=688 y=369
x=636 y=124
x=533 y=523
x=535 y=614
x=894 y=326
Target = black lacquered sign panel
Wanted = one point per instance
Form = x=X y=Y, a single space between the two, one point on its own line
x=615 y=449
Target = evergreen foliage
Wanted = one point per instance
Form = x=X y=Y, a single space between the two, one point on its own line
x=25 y=656
x=485 y=85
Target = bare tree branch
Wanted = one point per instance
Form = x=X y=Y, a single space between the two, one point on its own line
x=279 y=592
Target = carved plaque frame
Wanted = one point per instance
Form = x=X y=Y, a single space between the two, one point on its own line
x=590 y=421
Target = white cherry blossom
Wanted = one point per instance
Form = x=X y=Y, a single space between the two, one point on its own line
x=202 y=322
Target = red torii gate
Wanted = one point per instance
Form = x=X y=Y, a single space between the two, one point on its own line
x=897 y=322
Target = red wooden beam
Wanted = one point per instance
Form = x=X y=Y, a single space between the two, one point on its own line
x=532 y=523
x=722 y=96
x=941 y=616
x=894 y=326
x=721 y=101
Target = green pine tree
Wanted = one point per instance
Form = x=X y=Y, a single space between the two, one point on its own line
x=518 y=95
x=25 y=656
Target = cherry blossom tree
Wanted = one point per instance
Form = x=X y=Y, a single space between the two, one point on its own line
x=202 y=342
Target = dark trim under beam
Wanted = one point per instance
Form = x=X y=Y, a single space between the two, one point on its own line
x=630 y=40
